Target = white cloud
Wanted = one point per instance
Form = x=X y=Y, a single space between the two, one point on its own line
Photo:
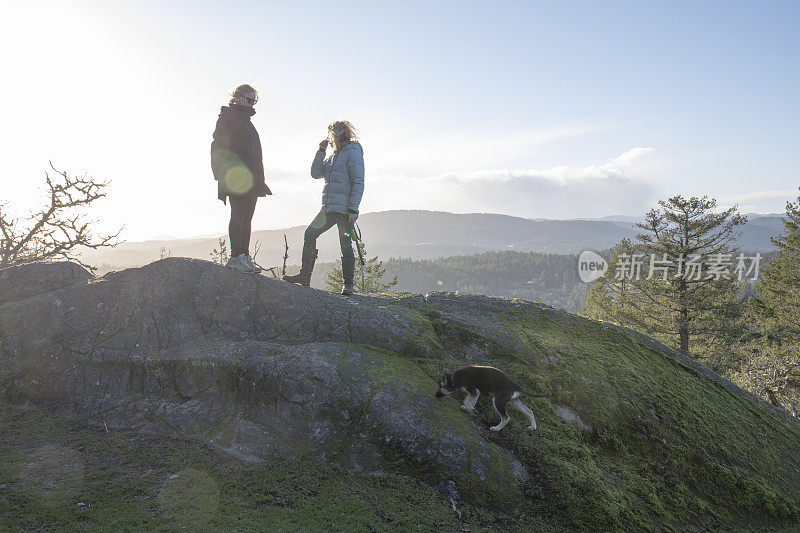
x=599 y=189
x=613 y=169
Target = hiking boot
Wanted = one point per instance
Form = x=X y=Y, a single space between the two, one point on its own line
x=304 y=277
x=239 y=263
x=348 y=272
x=251 y=264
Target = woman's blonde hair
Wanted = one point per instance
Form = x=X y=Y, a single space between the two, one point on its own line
x=340 y=133
x=244 y=95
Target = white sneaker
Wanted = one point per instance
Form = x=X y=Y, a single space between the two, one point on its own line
x=249 y=261
x=240 y=264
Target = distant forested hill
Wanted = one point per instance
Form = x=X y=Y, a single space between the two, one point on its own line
x=545 y=278
x=551 y=279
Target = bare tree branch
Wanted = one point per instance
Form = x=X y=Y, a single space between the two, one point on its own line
x=57 y=230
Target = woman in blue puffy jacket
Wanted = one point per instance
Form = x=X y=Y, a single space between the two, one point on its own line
x=343 y=172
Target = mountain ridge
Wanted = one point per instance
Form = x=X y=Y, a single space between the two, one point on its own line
x=422 y=234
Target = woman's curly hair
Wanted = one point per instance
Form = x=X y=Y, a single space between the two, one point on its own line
x=340 y=133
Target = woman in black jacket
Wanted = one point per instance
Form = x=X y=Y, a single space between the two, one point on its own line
x=238 y=167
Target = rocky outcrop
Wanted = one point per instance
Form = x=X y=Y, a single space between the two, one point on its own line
x=25 y=281
x=634 y=435
x=261 y=368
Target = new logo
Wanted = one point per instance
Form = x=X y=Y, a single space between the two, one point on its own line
x=591 y=266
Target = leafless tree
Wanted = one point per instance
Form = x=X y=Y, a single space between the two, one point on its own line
x=285 y=254
x=57 y=230
x=256 y=249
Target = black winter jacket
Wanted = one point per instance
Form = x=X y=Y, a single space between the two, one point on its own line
x=236 y=158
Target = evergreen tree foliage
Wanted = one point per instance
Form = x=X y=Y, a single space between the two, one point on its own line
x=777 y=303
x=368 y=277
x=220 y=255
x=678 y=291
x=544 y=277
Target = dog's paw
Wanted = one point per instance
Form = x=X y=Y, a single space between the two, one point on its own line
x=495 y=428
x=532 y=428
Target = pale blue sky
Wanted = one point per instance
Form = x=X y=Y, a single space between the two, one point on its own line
x=557 y=109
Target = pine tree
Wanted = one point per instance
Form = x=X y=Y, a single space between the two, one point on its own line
x=368 y=277
x=220 y=256
x=606 y=297
x=671 y=294
x=777 y=303
x=769 y=359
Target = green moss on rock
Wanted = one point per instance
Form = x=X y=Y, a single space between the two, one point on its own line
x=656 y=443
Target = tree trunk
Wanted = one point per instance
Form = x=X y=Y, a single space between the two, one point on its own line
x=684 y=337
x=683 y=323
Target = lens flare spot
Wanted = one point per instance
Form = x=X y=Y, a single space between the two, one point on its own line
x=440 y=283
x=238 y=179
x=455 y=293
x=189 y=499
x=50 y=473
x=319 y=220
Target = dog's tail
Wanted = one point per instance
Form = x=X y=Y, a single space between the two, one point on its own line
x=526 y=393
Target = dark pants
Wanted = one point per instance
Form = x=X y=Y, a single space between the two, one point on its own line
x=242 y=209
x=325 y=221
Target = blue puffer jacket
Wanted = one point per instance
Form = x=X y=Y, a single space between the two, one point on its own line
x=344 y=178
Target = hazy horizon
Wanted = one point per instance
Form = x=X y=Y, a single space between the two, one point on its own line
x=223 y=232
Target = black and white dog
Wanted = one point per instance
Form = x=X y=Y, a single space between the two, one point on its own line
x=475 y=380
